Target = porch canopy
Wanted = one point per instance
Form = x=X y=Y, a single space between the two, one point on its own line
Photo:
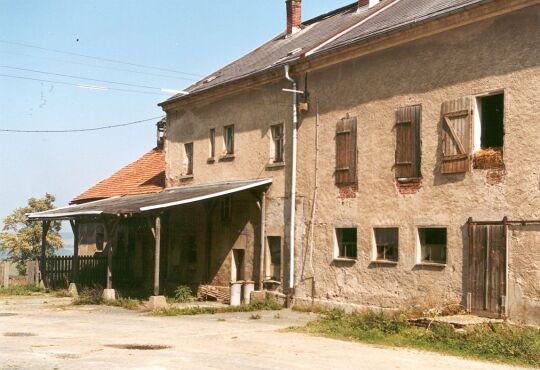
x=148 y=203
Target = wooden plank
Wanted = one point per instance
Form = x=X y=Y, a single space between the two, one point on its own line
x=456 y=135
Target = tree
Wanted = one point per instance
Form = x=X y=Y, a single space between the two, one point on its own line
x=21 y=237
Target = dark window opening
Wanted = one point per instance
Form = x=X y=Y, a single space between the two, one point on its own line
x=238 y=256
x=277 y=137
x=189 y=158
x=346 y=240
x=387 y=240
x=433 y=244
x=491 y=109
x=274 y=248
x=212 y=142
x=100 y=237
x=228 y=137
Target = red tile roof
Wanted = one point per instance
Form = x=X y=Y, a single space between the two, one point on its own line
x=145 y=175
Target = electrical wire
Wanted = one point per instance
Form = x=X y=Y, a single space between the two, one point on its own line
x=101 y=67
x=82 y=86
x=98 y=58
x=82 y=129
x=80 y=77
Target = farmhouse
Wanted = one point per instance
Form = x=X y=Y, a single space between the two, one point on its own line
x=384 y=154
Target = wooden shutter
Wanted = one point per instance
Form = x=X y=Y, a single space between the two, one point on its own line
x=408 y=142
x=456 y=135
x=346 y=151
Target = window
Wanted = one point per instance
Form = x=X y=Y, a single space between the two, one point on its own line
x=489 y=132
x=277 y=138
x=274 y=251
x=188 y=159
x=212 y=139
x=226 y=209
x=100 y=237
x=346 y=151
x=228 y=138
x=408 y=142
x=346 y=242
x=387 y=241
x=432 y=244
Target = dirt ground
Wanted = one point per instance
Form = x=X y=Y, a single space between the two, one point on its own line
x=48 y=333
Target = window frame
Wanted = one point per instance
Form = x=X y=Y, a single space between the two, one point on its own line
x=228 y=148
x=277 y=142
x=419 y=246
x=337 y=247
x=188 y=159
x=212 y=144
x=375 y=250
x=477 y=118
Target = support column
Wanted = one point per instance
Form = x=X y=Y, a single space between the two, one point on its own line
x=44 y=230
x=157 y=301
x=109 y=292
x=75 y=266
x=263 y=239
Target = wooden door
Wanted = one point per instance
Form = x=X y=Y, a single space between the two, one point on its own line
x=487 y=269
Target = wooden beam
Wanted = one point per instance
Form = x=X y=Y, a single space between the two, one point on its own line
x=157 y=237
x=44 y=230
x=75 y=268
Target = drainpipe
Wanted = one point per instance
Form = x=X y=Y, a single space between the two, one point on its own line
x=293 y=177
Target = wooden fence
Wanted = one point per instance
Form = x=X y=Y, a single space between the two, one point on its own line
x=59 y=270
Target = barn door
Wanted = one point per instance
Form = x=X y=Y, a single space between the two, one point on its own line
x=487 y=269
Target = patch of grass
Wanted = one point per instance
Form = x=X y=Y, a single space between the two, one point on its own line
x=127 y=303
x=495 y=342
x=89 y=296
x=198 y=310
x=255 y=316
x=28 y=289
x=62 y=293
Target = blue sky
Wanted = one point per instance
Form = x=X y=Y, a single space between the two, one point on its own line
x=195 y=37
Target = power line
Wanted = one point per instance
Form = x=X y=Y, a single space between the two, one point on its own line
x=81 y=78
x=98 y=58
x=103 y=67
x=82 y=129
x=82 y=86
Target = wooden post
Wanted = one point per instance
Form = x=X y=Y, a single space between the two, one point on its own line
x=157 y=231
x=44 y=230
x=75 y=267
x=111 y=229
x=263 y=239
x=209 y=207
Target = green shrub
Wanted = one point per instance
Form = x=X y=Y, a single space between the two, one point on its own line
x=182 y=294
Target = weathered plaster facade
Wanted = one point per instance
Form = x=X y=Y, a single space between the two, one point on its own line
x=470 y=60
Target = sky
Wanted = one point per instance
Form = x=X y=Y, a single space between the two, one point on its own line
x=54 y=47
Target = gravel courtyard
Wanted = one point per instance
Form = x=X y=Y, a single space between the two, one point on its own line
x=48 y=333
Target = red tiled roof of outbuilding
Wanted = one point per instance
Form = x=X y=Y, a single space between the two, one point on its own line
x=145 y=175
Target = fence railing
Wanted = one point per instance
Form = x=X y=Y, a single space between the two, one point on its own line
x=59 y=270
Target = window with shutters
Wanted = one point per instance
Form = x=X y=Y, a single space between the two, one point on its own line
x=346 y=151
x=408 y=143
x=456 y=135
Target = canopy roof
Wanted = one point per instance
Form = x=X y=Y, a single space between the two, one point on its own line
x=134 y=204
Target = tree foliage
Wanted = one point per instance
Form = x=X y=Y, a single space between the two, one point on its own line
x=21 y=238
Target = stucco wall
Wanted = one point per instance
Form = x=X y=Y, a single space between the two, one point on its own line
x=498 y=54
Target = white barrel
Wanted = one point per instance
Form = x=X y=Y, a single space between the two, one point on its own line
x=247 y=288
x=236 y=293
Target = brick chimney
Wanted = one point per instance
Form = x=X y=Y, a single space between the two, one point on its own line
x=371 y=3
x=294 y=16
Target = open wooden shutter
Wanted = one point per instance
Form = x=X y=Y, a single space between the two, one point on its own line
x=346 y=151
x=456 y=135
x=408 y=142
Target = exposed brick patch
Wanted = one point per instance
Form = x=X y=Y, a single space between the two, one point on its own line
x=348 y=191
x=409 y=187
x=496 y=176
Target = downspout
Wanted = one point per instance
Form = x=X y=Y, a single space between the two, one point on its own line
x=293 y=178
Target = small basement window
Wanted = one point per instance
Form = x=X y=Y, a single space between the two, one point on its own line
x=433 y=243
x=346 y=242
x=386 y=241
